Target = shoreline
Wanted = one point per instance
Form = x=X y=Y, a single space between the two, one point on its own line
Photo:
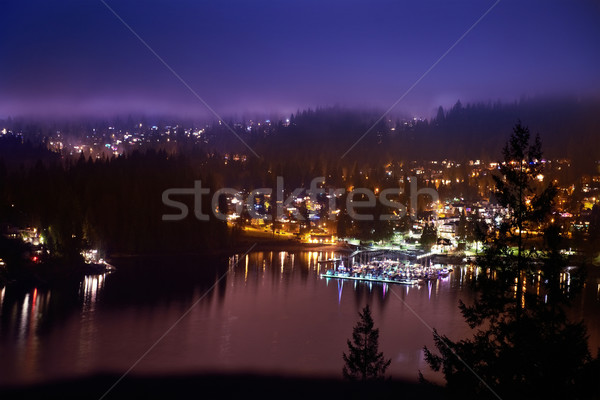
x=243 y=247
x=57 y=277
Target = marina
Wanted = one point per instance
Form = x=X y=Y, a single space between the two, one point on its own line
x=385 y=270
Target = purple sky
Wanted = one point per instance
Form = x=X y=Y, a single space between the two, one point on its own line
x=76 y=57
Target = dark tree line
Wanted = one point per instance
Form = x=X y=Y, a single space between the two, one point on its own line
x=471 y=131
x=115 y=204
x=317 y=139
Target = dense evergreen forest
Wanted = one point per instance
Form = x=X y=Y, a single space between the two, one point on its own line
x=113 y=203
x=473 y=131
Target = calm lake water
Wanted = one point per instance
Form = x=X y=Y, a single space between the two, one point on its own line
x=271 y=313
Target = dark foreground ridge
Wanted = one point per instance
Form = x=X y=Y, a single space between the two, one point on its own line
x=221 y=387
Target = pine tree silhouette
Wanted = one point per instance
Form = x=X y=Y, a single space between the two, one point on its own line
x=524 y=345
x=364 y=362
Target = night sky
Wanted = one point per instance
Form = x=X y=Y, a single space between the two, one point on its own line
x=76 y=57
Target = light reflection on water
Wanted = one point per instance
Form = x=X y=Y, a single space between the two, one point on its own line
x=33 y=305
x=272 y=313
x=89 y=290
x=26 y=317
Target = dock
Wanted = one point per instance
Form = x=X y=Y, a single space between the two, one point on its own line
x=403 y=281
